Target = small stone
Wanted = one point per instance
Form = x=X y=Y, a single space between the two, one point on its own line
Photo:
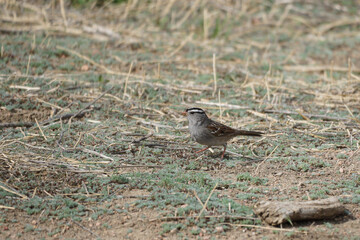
x=84 y=67
x=174 y=230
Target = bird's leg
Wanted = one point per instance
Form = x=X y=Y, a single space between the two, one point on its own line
x=222 y=155
x=202 y=150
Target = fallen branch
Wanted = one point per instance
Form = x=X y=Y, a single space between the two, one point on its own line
x=275 y=213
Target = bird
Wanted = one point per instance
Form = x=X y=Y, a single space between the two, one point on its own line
x=211 y=133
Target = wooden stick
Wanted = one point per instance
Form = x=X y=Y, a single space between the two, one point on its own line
x=276 y=212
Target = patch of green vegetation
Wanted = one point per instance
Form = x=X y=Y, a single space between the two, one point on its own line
x=30 y=228
x=318 y=193
x=248 y=178
x=342 y=156
x=306 y=163
x=249 y=196
x=167 y=227
x=119 y=179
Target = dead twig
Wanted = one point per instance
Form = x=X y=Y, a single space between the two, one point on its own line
x=65 y=116
x=18 y=124
x=140 y=166
x=262 y=115
x=230 y=106
x=324 y=117
x=257 y=168
x=143 y=138
x=266 y=228
x=6 y=207
x=86 y=229
x=95 y=153
x=92 y=102
x=53 y=119
x=41 y=131
x=300 y=68
x=206 y=202
x=7 y=189
x=226 y=217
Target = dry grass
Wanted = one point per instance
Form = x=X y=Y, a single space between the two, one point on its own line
x=90 y=94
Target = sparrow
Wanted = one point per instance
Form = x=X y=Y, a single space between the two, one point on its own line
x=211 y=133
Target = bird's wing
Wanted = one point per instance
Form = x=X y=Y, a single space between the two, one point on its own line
x=220 y=130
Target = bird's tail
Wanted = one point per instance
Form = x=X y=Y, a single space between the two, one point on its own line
x=249 y=133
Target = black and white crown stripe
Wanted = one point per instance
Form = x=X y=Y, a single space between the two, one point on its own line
x=195 y=110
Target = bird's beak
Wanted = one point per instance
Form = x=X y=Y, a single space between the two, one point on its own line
x=183 y=113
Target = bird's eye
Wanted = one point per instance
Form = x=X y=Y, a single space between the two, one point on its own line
x=191 y=112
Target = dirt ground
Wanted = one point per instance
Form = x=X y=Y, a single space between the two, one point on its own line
x=145 y=223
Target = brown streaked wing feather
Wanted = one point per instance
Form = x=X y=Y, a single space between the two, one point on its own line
x=220 y=130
